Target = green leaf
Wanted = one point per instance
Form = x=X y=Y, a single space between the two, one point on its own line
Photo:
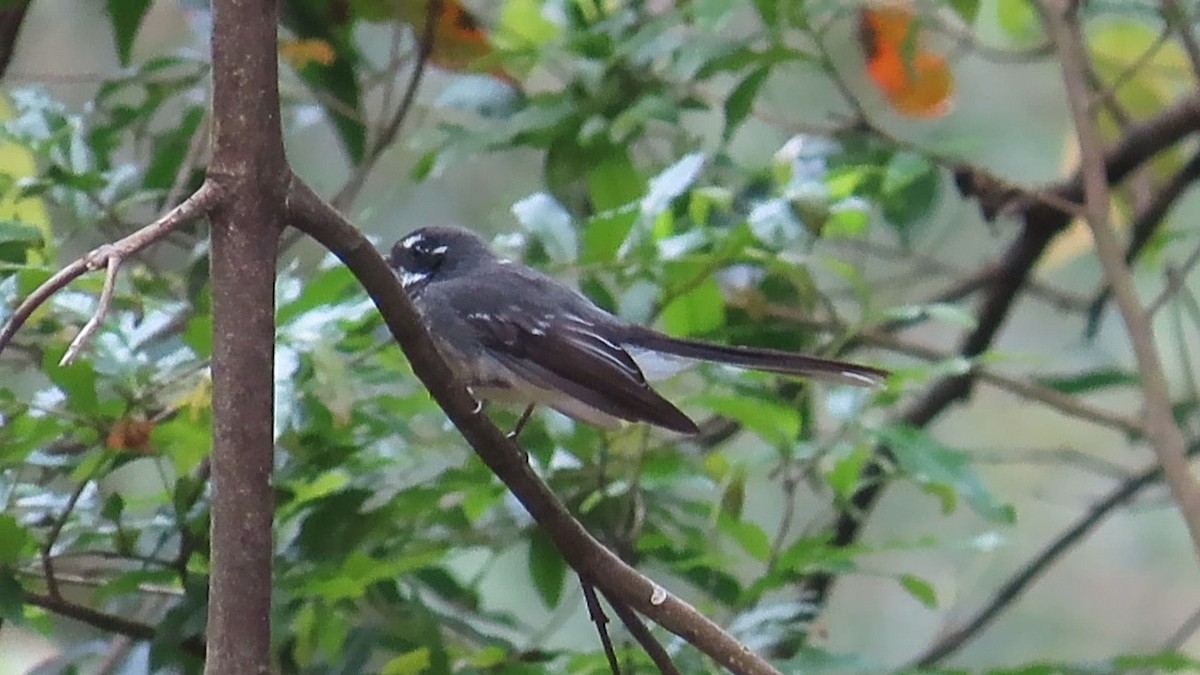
x=77 y=381
x=741 y=100
x=1161 y=662
x=696 y=305
x=318 y=487
x=542 y=215
x=848 y=218
x=938 y=467
x=126 y=17
x=1019 y=18
x=361 y=570
x=733 y=493
x=336 y=83
x=910 y=189
x=843 y=477
x=547 y=569
x=13 y=538
x=605 y=232
x=768 y=13
x=409 y=663
x=171 y=149
x=713 y=15
x=12 y=597
x=775 y=423
x=614 y=182
x=198 y=334
x=749 y=536
x=920 y=589
x=1091 y=381
x=14 y=231
x=671 y=183
x=967 y=10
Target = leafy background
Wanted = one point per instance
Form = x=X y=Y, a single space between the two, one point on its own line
x=697 y=165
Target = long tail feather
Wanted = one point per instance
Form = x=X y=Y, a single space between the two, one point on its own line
x=768 y=360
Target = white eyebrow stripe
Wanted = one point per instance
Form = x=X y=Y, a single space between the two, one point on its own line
x=409 y=278
x=440 y=250
x=411 y=239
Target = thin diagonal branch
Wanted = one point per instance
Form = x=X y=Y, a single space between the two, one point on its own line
x=108 y=623
x=640 y=632
x=1147 y=222
x=342 y=200
x=598 y=617
x=1020 y=581
x=93 y=324
x=1164 y=435
x=56 y=530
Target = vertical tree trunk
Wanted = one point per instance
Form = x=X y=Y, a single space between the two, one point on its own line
x=250 y=172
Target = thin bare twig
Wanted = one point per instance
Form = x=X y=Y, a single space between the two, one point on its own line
x=56 y=530
x=1184 y=633
x=598 y=617
x=342 y=200
x=1177 y=19
x=191 y=208
x=1164 y=435
x=93 y=324
x=1017 y=584
x=1149 y=219
x=108 y=623
x=640 y=632
x=1175 y=281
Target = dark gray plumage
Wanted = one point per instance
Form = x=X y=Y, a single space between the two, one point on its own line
x=514 y=334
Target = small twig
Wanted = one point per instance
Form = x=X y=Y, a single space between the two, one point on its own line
x=596 y=613
x=1034 y=568
x=93 y=324
x=1184 y=633
x=342 y=200
x=1148 y=221
x=1175 y=281
x=1177 y=19
x=56 y=530
x=191 y=208
x=640 y=632
x=109 y=623
x=195 y=149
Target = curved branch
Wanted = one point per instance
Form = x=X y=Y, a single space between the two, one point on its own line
x=191 y=208
x=108 y=623
x=584 y=553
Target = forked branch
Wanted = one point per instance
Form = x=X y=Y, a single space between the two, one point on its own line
x=108 y=256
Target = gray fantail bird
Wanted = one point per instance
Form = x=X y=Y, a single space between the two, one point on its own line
x=513 y=334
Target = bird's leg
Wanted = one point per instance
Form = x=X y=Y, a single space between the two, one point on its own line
x=512 y=435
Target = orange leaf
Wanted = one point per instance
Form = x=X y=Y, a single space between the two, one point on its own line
x=459 y=40
x=303 y=52
x=131 y=434
x=917 y=82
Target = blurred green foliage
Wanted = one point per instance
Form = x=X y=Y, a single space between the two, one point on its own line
x=387 y=531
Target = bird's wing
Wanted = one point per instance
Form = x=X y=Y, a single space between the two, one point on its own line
x=568 y=356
